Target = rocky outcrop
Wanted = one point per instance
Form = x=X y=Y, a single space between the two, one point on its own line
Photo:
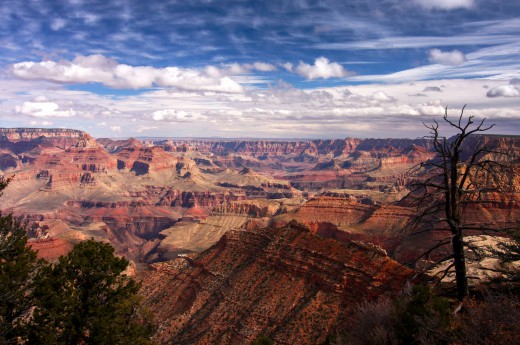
x=283 y=283
x=114 y=146
x=143 y=160
x=50 y=249
x=256 y=208
x=189 y=199
x=341 y=210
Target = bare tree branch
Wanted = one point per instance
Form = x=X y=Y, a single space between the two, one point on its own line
x=456 y=179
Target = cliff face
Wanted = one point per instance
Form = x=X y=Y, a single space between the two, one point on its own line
x=284 y=283
x=263 y=148
x=134 y=193
x=267 y=237
x=25 y=134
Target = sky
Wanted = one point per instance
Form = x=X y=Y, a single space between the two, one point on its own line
x=258 y=69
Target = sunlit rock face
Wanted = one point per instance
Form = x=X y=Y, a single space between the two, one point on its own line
x=285 y=283
x=234 y=239
x=154 y=199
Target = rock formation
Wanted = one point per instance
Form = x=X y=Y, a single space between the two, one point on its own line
x=155 y=198
x=285 y=283
x=244 y=237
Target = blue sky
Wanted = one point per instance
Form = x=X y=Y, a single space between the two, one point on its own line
x=294 y=69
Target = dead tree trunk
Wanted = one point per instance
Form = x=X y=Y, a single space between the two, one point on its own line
x=449 y=183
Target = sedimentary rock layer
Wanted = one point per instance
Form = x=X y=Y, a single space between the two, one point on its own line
x=285 y=283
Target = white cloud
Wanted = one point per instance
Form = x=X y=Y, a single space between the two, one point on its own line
x=264 y=67
x=40 y=98
x=288 y=66
x=89 y=18
x=280 y=111
x=445 y=4
x=173 y=115
x=380 y=96
x=498 y=62
x=115 y=128
x=504 y=91
x=322 y=68
x=58 y=24
x=237 y=69
x=43 y=109
x=432 y=108
x=100 y=69
x=453 y=58
x=404 y=42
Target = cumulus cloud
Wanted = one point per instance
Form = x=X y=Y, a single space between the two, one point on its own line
x=453 y=58
x=504 y=91
x=288 y=66
x=380 y=96
x=322 y=69
x=43 y=109
x=432 y=108
x=445 y=4
x=106 y=71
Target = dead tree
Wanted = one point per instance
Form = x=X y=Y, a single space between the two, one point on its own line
x=448 y=183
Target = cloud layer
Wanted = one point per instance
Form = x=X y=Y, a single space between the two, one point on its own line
x=248 y=68
x=379 y=110
x=108 y=72
x=99 y=69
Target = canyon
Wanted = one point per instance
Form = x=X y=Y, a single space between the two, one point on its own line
x=234 y=239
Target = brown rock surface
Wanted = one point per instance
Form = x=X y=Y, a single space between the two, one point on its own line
x=139 y=195
x=284 y=283
x=50 y=249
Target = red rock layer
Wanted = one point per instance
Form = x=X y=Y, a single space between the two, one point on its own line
x=284 y=283
x=50 y=249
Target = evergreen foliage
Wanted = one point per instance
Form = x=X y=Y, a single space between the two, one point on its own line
x=422 y=316
x=85 y=299
x=18 y=266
